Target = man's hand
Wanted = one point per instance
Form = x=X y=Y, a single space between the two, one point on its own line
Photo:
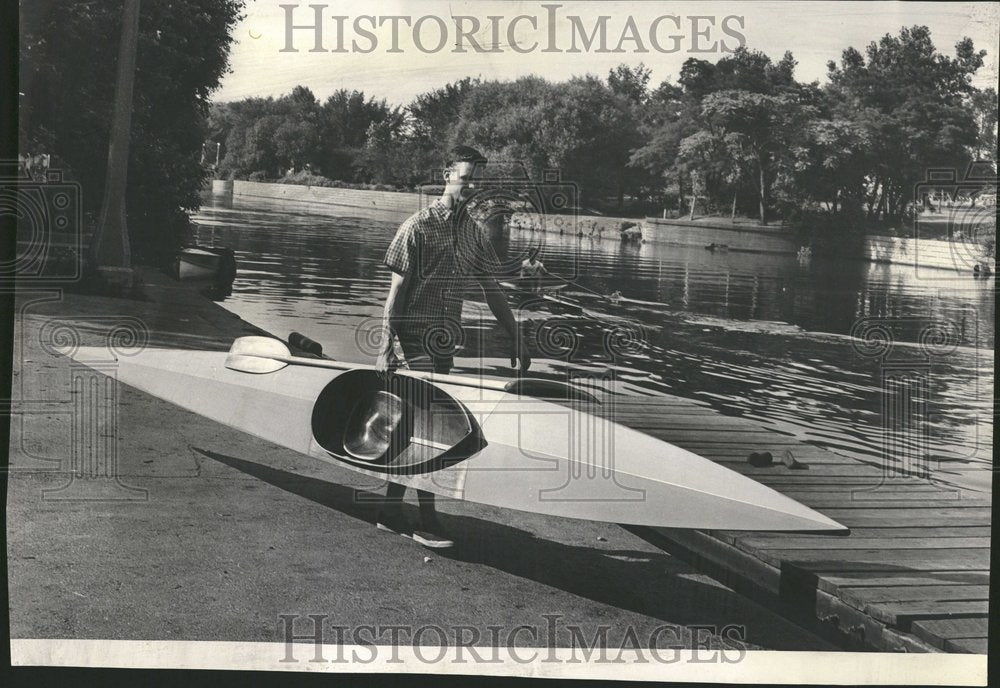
x=520 y=352
x=386 y=362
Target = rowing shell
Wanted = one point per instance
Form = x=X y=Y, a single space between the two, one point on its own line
x=483 y=445
x=526 y=297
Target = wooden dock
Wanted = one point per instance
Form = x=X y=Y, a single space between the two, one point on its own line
x=913 y=574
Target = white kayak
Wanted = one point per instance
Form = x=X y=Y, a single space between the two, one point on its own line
x=478 y=440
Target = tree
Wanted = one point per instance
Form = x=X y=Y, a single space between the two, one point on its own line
x=67 y=75
x=384 y=156
x=767 y=124
x=630 y=83
x=344 y=124
x=985 y=104
x=829 y=164
x=296 y=129
x=580 y=127
x=434 y=114
x=914 y=107
x=249 y=143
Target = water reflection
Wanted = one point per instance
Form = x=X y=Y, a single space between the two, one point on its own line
x=755 y=335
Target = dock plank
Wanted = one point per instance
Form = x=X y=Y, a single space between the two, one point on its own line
x=896 y=514
x=753 y=543
x=926 y=560
x=861 y=596
x=833 y=567
x=732 y=536
x=903 y=614
x=873 y=520
x=944 y=632
x=974 y=646
x=838 y=583
x=930 y=532
x=841 y=501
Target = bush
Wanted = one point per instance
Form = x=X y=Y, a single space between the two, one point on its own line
x=307 y=178
x=829 y=235
x=257 y=176
x=989 y=245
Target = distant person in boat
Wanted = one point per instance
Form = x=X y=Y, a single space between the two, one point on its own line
x=435 y=256
x=533 y=270
x=630 y=231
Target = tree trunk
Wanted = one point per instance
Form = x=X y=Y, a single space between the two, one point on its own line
x=110 y=245
x=870 y=198
x=880 y=208
x=763 y=193
x=732 y=215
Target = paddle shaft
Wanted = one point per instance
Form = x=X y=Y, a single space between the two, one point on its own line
x=603 y=296
x=580 y=286
x=430 y=377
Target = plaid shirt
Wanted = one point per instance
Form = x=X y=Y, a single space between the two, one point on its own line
x=442 y=256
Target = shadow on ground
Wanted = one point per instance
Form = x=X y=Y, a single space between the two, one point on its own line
x=644 y=582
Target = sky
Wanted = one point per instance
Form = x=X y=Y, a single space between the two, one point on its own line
x=815 y=32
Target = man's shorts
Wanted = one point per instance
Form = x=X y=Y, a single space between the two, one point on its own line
x=431 y=348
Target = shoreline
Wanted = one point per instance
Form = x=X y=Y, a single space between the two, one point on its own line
x=711 y=233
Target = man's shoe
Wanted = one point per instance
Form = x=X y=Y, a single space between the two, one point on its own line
x=430 y=536
x=393 y=523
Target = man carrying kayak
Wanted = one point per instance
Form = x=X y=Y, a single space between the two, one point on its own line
x=434 y=256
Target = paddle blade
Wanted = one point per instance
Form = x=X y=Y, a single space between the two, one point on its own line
x=253 y=364
x=260 y=346
x=257 y=355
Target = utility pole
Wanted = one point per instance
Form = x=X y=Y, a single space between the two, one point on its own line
x=110 y=249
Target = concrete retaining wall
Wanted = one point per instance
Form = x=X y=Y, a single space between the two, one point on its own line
x=390 y=204
x=222 y=187
x=951 y=255
x=752 y=238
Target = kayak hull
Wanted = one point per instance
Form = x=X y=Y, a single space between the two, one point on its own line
x=481 y=445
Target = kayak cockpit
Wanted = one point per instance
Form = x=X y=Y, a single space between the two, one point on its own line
x=402 y=425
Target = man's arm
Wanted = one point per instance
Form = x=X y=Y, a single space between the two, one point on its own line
x=497 y=302
x=390 y=315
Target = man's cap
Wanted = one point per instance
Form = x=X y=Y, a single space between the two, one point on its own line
x=466 y=154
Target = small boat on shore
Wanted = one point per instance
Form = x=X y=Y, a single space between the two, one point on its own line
x=205 y=263
x=533 y=445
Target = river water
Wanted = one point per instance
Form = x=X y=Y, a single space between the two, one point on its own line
x=759 y=336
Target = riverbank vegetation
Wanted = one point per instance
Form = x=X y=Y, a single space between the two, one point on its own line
x=68 y=62
x=742 y=135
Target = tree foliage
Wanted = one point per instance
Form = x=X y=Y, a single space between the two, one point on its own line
x=67 y=72
x=864 y=139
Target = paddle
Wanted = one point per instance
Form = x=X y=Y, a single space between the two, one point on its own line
x=262 y=355
x=609 y=297
x=544 y=297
